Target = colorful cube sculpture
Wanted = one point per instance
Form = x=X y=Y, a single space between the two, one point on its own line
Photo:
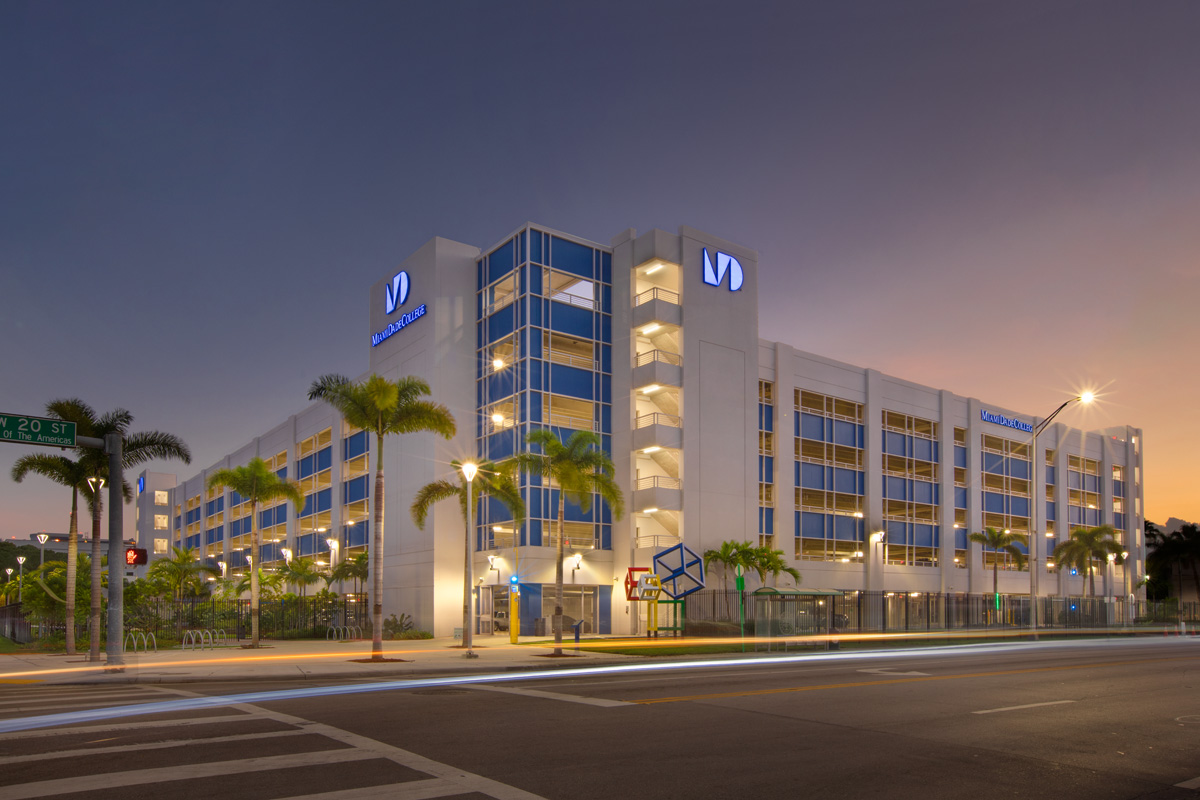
x=681 y=571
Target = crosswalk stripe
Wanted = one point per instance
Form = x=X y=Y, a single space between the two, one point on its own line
x=126 y=726
x=410 y=790
x=181 y=772
x=142 y=746
x=90 y=703
x=566 y=698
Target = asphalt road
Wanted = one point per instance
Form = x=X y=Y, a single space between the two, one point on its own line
x=1102 y=720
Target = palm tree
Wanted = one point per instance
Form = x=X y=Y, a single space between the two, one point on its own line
x=768 y=560
x=72 y=474
x=138 y=448
x=730 y=555
x=270 y=585
x=257 y=484
x=999 y=541
x=1084 y=546
x=580 y=468
x=357 y=569
x=490 y=479
x=180 y=570
x=302 y=572
x=383 y=407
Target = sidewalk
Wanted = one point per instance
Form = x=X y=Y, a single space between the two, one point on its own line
x=304 y=659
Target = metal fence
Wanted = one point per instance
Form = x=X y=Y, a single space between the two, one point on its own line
x=14 y=625
x=716 y=612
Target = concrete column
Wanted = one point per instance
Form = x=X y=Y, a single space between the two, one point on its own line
x=873 y=553
x=947 y=570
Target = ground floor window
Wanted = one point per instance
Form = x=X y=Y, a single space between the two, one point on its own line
x=579 y=603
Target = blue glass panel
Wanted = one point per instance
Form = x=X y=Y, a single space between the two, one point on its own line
x=922 y=491
x=571 y=257
x=766 y=417
x=895 y=488
x=500 y=324
x=605 y=328
x=305 y=544
x=1020 y=506
x=960 y=539
x=604 y=622
x=923 y=536
x=766 y=469
x=1091 y=517
x=845 y=480
x=812 y=526
x=1074 y=480
x=530 y=600
x=1091 y=483
x=812 y=427
x=357 y=535
x=922 y=449
x=1074 y=515
x=960 y=456
x=500 y=445
x=1018 y=468
x=1118 y=489
x=571 y=319
x=235 y=499
x=537 y=312
x=325 y=459
x=847 y=529
x=535 y=247
x=606 y=358
x=535 y=534
x=324 y=499
x=894 y=443
x=282 y=473
x=845 y=433
x=993 y=463
x=960 y=497
x=1051 y=476
x=898 y=533
x=501 y=261
x=355 y=489
x=1119 y=521
x=1051 y=510
x=571 y=381
x=993 y=503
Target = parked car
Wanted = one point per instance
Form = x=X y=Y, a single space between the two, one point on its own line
x=500 y=621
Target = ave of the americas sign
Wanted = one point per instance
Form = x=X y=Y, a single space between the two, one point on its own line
x=36 y=430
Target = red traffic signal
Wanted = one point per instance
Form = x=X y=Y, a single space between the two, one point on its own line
x=135 y=556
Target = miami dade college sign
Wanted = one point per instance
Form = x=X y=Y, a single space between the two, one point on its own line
x=394 y=296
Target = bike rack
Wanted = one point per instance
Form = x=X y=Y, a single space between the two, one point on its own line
x=146 y=640
x=343 y=633
x=193 y=640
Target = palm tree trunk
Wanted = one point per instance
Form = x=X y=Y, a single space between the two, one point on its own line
x=94 y=619
x=1091 y=577
x=72 y=568
x=255 y=551
x=377 y=557
x=558 y=573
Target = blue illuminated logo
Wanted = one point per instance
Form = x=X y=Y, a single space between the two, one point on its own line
x=397 y=326
x=725 y=263
x=396 y=293
x=141 y=483
x=1000 y=419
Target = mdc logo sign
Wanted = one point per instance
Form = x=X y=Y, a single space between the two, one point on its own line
x=395 y=294
x=725 y=263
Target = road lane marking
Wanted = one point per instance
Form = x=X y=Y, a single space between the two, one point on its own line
x=1194 y=783
x=567 y=698
x=409 y=790
x=1018 y=708
x=38 y=697
x=890 y=671
x=139 y=746
x=125 y=726
x=821 y=687
x=141 y=777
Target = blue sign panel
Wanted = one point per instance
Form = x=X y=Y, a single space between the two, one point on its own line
x=725 y=263
x=1000 y=419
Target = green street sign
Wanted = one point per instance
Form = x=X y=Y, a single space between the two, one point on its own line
x=36 y=430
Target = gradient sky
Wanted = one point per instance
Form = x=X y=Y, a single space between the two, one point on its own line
x=1001 y=198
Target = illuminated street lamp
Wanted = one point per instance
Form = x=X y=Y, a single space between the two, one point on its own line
x=468 y=470
x=41 y=537
x=1085 y=398
x=20 y=577
x=8 y=572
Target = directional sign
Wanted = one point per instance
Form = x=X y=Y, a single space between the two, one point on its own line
x=36 y=430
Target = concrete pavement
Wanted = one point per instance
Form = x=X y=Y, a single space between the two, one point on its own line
x=299 y=660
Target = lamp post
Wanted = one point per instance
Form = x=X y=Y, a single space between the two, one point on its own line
x=1084 y=398
x=42 y=537
x=8 y=572
x=20 y=577
x=468 y=470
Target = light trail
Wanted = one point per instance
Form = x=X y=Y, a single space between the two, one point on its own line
x=219 y=701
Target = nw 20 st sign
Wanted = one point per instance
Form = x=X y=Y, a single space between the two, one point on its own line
x=36 y=430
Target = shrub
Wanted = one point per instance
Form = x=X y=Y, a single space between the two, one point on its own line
x=411 y=634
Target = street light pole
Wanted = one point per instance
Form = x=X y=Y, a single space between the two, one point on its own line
x=8 y=572
x=42 y=537
x=1084 y=398
x=468 y=470
x=21 y=578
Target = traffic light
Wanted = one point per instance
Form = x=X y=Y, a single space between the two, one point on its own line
x=135 y=556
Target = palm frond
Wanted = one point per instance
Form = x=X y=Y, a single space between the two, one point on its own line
x=153 y=445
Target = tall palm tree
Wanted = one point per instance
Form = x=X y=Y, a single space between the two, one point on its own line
x=137 y=449
x=357 y=569
x=270 y=585
x=771 y=561
x=257 y=484
x=73 y=474
x=1085 y=546
x=181 y=569
x=581 y=469
x=302 y=572
x=1000 y=541
x=490 y=479
x=382 y=407
x=730 y=555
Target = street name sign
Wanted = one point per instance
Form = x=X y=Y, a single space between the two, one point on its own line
x=36 y=430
